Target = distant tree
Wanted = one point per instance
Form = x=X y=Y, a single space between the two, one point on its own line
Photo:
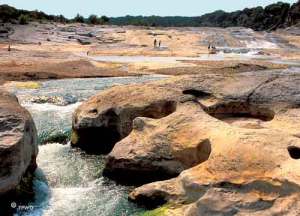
x=93 y=19
x=23 y=19
x=103 y=20
x=79 y=18
x=61 y=19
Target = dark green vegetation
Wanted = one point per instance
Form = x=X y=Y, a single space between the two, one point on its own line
x=92 y=19
x=269 y=18
x=273 y=16
x=13 y=15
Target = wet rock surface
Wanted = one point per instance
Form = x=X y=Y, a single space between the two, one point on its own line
x=18 y=149
x=224 y=139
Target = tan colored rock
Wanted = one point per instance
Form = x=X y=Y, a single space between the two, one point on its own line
x=225 y=139
x=160 y=149
x=107 y=118
x=18 y=143
x=250 y=171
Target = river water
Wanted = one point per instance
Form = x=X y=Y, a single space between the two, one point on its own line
x=68 y=181
x=224 y=54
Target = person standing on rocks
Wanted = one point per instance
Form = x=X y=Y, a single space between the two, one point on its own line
x=9 y=48
x=159 y=43
x=155 y=43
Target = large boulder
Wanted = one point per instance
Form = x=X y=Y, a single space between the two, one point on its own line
x=250 y=171
x=232 y=140
x=157 y=149
x=252 y=166
x=18 y=146
x=107 y=117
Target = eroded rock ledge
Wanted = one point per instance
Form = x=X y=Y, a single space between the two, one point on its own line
x=18 y=149
x=229 y=144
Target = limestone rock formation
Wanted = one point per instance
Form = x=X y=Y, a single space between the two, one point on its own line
x=18 y=144
x=161 y=148
x=107 y=118
x=232 y=140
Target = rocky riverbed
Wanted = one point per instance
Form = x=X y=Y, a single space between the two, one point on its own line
x=123 y=127
x=52 y=51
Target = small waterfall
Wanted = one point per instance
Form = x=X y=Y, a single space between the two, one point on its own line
x=68 y=181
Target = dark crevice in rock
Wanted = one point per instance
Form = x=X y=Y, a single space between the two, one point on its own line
x=239 y=110
x=294 y=152
x=97 y=140
x=137 y=176
x=197 y=93
x=158 y=198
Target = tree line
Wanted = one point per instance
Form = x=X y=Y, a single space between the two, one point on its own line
x=13 y=15
x=271 y=17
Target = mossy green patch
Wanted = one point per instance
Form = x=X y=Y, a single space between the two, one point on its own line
x=28 y=85
x=162 y=211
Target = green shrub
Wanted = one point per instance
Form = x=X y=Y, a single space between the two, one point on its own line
x=103 y=20
x=23 y=19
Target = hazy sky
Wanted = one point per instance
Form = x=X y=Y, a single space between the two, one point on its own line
x=135 y=7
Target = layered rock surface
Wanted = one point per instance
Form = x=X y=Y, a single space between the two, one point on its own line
x=18 y=144
x=232 y=139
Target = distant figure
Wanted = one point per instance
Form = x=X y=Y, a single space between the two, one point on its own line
x=9 y=48
x=88 y=53
x=159 y=43
x=212 y=49
x=40 y=43
x=155 y=43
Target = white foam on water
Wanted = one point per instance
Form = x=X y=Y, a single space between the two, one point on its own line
x=68 y=183
x=47 y=107
x=260 y=44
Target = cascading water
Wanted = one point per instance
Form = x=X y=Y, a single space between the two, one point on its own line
x=68 y=181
